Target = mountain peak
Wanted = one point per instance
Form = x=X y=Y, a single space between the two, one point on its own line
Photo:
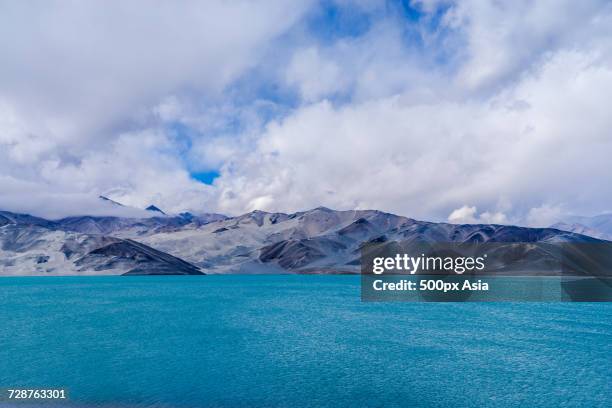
x=323 y=209
x=154 y=208
x=110 y=201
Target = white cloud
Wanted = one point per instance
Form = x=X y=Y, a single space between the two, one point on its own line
x=377 y=64
x=501 y=105
x=545 y=215
x=315 y=77
x=499 y=40
x=76 y=77
x=89 y=62
x=469 y=215
x=136 y=169
x=543 y=140
x=463 y=215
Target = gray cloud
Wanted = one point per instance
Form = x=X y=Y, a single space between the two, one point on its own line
x=513 y=133
x=76 y=77
x=496 y=107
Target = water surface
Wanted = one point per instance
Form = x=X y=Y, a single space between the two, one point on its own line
x=294 y=341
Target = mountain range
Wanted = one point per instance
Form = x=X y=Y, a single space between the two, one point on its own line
x=320 y=240
x=599 y=226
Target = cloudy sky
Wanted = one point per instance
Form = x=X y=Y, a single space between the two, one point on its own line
x=470 y=111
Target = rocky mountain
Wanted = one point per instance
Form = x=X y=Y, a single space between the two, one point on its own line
x=322 y=240
x=316 y=241
x=34 y=246
x=155 y=209
x=134 y=227
x=599 y=226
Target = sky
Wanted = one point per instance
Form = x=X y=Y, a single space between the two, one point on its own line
x=443 y=110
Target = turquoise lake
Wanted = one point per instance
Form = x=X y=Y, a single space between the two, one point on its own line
x=293 y=341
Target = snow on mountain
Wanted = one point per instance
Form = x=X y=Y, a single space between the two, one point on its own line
x=7 y=217
x=135 y=227
x=136 y=222
x=599 y=226
x=33 y=246
x=321 y=240
x=316 y=241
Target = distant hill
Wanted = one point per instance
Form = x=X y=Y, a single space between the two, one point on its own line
x=599 y=226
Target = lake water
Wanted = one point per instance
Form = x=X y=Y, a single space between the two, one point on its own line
x=293 y=341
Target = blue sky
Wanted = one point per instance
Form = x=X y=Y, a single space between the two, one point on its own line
x=434 y=109
x=329 y=23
